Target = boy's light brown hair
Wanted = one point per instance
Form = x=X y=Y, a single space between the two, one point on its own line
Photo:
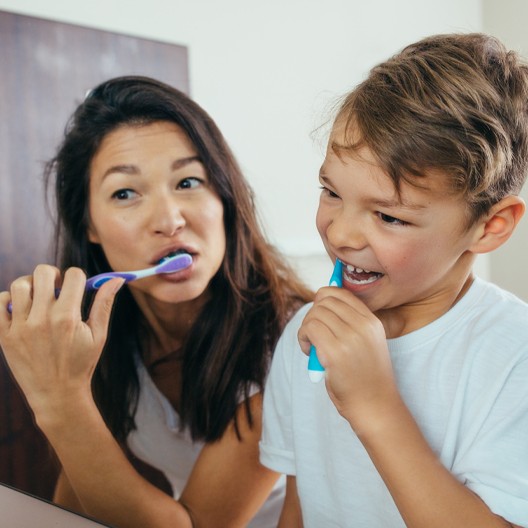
x=455 y=104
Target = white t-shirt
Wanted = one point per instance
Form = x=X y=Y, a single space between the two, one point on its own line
x=464 y=378
x=159 y=442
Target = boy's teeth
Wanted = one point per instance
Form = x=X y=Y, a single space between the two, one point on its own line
x=353 y=269
x=356 y=275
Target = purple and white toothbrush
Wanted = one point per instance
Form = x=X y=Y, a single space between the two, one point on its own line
x=168 y=265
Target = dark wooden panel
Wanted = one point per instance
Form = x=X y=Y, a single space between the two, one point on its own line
x=46 y=69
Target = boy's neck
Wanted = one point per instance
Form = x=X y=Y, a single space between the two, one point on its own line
x=411 y=317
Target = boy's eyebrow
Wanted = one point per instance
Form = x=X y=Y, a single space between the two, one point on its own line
x=132 y=169
x=324 y=178
x=388 y=204
x=399 y=203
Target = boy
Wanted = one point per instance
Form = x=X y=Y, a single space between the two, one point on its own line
x=423 y=417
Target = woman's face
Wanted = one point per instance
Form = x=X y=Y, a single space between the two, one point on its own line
x=150 y=196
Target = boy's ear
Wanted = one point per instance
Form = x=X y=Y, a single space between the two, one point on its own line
x=498 y=225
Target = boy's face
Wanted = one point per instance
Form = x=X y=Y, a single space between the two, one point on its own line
x=406 y=255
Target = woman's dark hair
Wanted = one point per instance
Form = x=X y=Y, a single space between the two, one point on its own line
x=254 y=293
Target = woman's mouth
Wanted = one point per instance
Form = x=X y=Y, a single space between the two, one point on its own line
x=360 y=276
x=172 y=254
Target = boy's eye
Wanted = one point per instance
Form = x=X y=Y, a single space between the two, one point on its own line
x=190 y=183
x=328 y=192
x=123 y=194
x=391 y=219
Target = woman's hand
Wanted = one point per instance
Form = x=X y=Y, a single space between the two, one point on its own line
x=351 y=345
x=51 y=352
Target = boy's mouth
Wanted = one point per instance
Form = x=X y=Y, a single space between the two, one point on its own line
x=360 y=276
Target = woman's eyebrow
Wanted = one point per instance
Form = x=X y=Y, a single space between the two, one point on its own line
x=121 y=169
x=134 y=170
x=179 y=163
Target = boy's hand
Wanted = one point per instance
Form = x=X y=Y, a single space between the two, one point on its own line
x=351 y=346
x=51 y=352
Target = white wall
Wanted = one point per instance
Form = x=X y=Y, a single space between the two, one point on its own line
x=508 y=266
x=267 y=72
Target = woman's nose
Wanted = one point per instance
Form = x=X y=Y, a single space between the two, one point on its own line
x=167 y=216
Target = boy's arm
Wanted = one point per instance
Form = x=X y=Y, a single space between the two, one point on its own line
x=351 y=345
x=291 y=516
x=413 y=474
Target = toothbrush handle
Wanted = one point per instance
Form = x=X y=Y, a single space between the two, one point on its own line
x=94 y=283
x=315 y=369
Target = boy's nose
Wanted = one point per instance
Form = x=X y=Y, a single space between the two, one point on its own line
x=167 y=217
x=345 y=232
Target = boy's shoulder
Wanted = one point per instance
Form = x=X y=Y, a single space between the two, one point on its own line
x=487 y=321
x=496 y=315
x=296 y=319
x=492 y=297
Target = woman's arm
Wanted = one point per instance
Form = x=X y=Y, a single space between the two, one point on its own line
x=65 y=496
x=226 y=488
x=291 y=516
x=228 y=483
x=52 y=354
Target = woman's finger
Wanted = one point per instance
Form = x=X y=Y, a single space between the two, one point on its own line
x=102 y=309
x=21 y=291
x=45 y=281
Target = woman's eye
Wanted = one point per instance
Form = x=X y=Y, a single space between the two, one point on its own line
x=391 y=219
x=190 y=183
x=123 y=194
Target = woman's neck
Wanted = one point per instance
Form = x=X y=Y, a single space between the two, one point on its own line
x=167 y=325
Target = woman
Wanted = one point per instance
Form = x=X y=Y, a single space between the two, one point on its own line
x=143 y=173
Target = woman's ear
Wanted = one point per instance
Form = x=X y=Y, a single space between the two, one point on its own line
x=497 y=226
x=92 y=235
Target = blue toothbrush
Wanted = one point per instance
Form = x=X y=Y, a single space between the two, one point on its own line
x=315 y=369
x=167 y=265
